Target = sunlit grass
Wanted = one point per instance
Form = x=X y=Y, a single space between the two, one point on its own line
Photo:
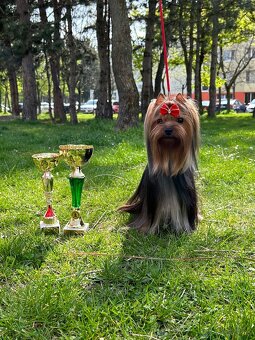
x=199 y=286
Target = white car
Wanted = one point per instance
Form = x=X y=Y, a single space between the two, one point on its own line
x=205 y=104
x=90 y=106
x=45 y=106
x=250 y=107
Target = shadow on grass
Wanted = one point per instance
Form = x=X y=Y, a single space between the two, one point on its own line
x=25 y=250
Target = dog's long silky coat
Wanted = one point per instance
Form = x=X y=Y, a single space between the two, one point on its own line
x=166 y=197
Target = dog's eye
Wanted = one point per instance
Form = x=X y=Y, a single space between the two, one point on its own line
x=159 y=121
x=180 y=120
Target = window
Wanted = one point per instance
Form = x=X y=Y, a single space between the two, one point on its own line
x=228 y=55
x=250 y=76
x=251 y=52
x=249 y=96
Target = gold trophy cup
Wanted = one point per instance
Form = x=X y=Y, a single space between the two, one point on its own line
x=76 y=156
x=46 y=162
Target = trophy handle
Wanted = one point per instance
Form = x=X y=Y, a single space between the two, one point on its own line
x=88 y=154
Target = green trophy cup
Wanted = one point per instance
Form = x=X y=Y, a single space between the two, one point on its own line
x=47 y=162
x=76 y=156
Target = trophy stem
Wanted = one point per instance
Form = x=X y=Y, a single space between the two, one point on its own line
x=49 y=221
x=76 y=224
x=76 y=185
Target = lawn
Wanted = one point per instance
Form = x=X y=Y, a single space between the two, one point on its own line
x=114 y=283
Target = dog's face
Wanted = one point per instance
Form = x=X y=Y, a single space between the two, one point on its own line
x=172 y=134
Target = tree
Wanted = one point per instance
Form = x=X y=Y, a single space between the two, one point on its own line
x=202 y=43
x=233 y=62
x=104 y=104
x=9 y=58
x=214 y=57
x=29 y=82
x=171 y=31
x=147 y=88
x=87 y=69
x=52 y=48
x=186 y=35
x=122 y=65
x=72 y=64
x=234 y=68
x=56 y=47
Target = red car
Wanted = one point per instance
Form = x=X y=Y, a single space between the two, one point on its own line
x=115 y=107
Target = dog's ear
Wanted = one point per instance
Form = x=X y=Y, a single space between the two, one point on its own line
x=180 y=98
x=160 y=99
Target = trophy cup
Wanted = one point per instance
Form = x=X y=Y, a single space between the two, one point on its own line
x=76 y=156
x=47 y=162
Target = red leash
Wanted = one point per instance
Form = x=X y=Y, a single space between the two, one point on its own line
x=164 y=44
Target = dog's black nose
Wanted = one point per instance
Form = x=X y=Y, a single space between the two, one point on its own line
x=168 y=131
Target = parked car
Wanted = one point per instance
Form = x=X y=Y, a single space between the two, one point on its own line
x=45 y=107
x=250 y=107
x=66 y=107
x=205 y=104
x=115 y=107
x=89 y=106
x=235 y=105
x=20 y=107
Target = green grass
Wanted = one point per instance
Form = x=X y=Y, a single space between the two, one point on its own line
x=50 y=288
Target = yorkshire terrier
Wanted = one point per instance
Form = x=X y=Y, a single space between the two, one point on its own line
x=166 y=198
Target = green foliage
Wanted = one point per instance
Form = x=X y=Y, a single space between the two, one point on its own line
x=51 y=289
x=242 y=31
x=205 y=76
x=175 y=58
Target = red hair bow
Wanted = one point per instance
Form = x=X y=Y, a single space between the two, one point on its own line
x=172 y=109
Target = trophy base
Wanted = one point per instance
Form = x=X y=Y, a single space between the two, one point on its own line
x=78 y=230
x=50 y=228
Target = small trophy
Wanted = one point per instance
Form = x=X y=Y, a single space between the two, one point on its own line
x=47 y=162
x=76 y=156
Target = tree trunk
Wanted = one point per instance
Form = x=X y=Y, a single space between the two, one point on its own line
x=214 y=57
x=28 y=71
x=189 y=68
x=49 y=85
x=122 y=65
x=228 y=90
x=72 y=64
x=59 y=113
x=104 y=104
x=159 y=75
x=6 y=98
x=187 y=46
x=78 y=86
x=12 y=76
x=199 y=56
x=39 y=111
x=147 y=59
x=14 y=91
